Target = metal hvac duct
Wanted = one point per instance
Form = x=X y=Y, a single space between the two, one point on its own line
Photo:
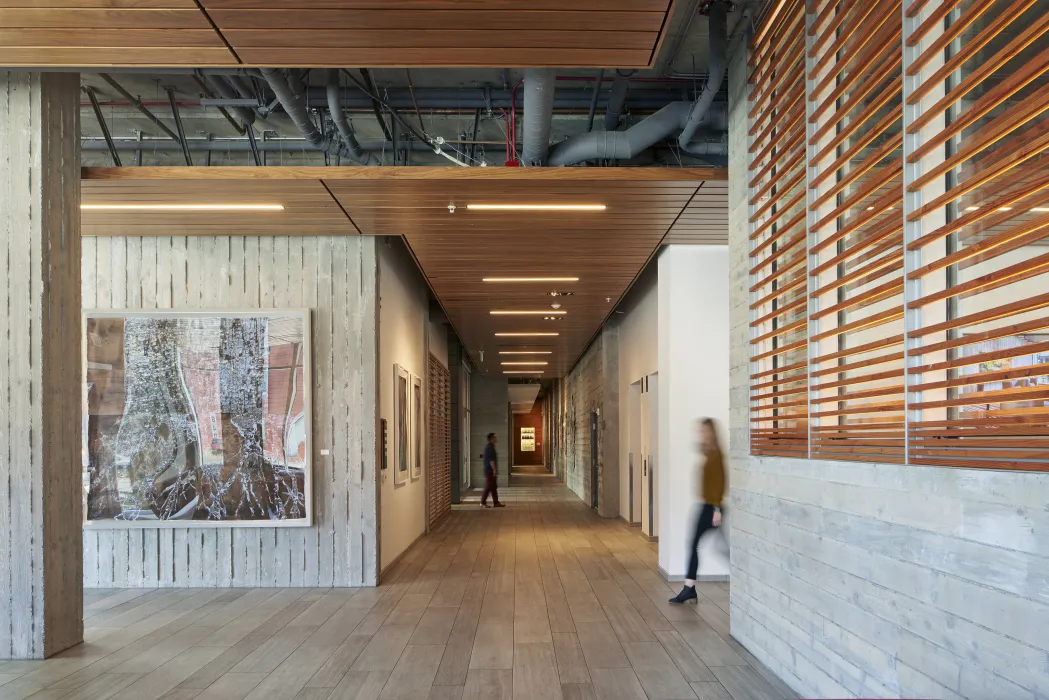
x=538 y=111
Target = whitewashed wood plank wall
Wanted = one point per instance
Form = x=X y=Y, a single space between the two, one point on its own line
x=336 y=278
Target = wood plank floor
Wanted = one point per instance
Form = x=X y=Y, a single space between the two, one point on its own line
x=538 y=600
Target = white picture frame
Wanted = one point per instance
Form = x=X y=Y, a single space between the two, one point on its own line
x=401 y=433
x=299 y=423
x=418 y=428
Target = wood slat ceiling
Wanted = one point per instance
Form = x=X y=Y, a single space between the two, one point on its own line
x=606 y=250
x=374 y=33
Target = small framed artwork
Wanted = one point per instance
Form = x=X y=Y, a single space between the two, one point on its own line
x=418 y=449
x=401 y=424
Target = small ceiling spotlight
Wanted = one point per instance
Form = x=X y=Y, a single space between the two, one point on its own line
x=555 y=306
x=562 y=294
x=552 y=318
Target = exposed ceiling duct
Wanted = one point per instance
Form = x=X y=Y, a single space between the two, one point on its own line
x=717 y=23
x=538 y=111
x=624 y=145
x=294 y=103
x=617 y=98
x=683 y=118
x=339 y=117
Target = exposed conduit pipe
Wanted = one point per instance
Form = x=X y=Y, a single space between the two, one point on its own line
x=717 y=23
x=593 y=100
x=617 y=98
x=294 y=104
x=538 y=112
x=246 y=116
x=339 y=117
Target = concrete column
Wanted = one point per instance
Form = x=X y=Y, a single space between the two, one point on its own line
x=608 y=494
x=41 y=572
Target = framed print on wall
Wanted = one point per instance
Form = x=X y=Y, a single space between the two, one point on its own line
x=197 y=419
x=401 y=424
x=418 y=421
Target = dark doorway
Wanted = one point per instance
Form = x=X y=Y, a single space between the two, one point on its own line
x=593 y=460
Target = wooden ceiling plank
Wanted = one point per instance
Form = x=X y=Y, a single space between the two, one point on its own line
x=310 y=39
x=397 y=20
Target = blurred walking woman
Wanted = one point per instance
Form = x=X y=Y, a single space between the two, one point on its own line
x=712 y=493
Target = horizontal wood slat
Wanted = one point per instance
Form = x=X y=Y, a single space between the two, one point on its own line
x=980 y=367
x=777 y=274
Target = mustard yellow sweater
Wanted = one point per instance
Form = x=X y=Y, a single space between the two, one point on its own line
x=712 y=486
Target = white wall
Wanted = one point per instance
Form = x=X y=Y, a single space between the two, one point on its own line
x=693 y=384
x=438 y=341
x=638 y=357
x=403 y=333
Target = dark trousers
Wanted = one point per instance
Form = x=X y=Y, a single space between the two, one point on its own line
x=704 y=523
x=490 y=487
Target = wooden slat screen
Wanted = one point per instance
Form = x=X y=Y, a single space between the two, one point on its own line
x=979 y=354
x=899 y=231
x=779 y=382
x=856 y=232
x=440 y=443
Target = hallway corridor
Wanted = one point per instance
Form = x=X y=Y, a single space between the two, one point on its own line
x=540 y=600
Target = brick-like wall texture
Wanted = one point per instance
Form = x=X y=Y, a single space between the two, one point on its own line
x=581 y=392
x=879 y=580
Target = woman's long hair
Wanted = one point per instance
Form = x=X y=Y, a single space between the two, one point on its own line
x=712 y=446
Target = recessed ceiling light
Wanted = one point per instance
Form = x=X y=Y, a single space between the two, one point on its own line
x=971 y=208
x=525 y=335
x=530 y=279
x=553 y=318
x=183 y=207
x=526 y=352
x=524 y=364
x=526 y=313
x=537 y=207
x=522 y=371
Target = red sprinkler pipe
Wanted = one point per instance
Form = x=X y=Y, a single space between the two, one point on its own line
x=512 y=133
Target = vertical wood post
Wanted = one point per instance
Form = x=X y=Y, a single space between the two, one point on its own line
x=41 y=568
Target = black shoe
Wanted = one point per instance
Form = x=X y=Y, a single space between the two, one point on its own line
x=687 y=593
x=500 y=505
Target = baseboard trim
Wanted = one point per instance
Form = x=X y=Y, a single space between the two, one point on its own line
x=630 y=524
x=702 y=579
x=400 y=556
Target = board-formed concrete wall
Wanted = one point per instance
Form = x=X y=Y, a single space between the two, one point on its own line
x=879 y=580
x=336 y=278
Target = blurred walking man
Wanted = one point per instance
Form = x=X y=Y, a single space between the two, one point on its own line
x=491 y=473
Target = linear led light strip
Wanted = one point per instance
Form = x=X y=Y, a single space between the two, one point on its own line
x=536 y=207
x=525 y=364
x=526 y=352
x=520 y=371
x=183 y=207
x=530 y=279
x=527 y=313
x=525 y=335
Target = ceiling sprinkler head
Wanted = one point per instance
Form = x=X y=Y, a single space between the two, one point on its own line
x=451 y=208
x=608 y=300
x=555 y=306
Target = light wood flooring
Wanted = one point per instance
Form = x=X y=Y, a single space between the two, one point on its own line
x=541 y=599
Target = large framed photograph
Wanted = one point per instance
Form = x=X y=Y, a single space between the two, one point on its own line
x=418 y=421
x=197 y=419
x=402 y=382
